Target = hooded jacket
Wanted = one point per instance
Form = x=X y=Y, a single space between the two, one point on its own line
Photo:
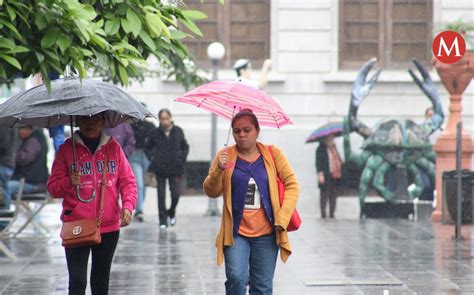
x=31 y=162
x=218 y=182
x=167 y=154
x=8 y=145
x=120 y=182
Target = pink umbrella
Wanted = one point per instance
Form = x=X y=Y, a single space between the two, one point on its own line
x=225 y=98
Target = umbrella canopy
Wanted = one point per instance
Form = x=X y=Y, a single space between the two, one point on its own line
x=334 y=128
x=225 y=98
x=70 y=97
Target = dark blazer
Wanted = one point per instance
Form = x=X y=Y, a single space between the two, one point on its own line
x=140 y=130
x=8 y=145
x=322 y=164
x=31 y=159
x=167 y=155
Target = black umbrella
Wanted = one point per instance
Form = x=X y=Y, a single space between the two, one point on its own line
x=70 y=97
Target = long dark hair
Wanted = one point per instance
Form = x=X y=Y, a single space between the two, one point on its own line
x=164 y=111
x=247 y=113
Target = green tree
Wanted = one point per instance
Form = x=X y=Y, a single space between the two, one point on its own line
x=113 y=36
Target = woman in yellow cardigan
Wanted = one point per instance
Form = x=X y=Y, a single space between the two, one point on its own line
x=253 y=225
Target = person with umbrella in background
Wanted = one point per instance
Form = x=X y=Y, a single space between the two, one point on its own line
x=97 y=153
x=167 y=150
x=328 y=165
x=140 y=162
x=329 y=169
x=253 y=227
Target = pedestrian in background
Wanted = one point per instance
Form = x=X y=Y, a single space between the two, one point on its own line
x=139 y=162
x=93 y=149
x=167 y=149
x=8 y=146
x=329 y=169
x=253 y=225
x=123 y=134
x=57 y=135
x=30 y=163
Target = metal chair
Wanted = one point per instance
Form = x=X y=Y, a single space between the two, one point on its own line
x=31 y=205
x=10 y=217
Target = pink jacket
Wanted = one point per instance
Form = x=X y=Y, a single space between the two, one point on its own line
x=120 y=181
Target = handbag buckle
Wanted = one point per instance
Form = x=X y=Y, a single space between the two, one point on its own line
x=77 y=230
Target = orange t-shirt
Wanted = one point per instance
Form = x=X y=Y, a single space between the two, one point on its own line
x=254 y=221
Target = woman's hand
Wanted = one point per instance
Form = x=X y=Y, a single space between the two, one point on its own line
x=125 y=217
x=321 y=178
x=76 y=179
x=279 y=228
x=223 y=160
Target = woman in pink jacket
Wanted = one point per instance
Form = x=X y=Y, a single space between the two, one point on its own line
x=92 y=146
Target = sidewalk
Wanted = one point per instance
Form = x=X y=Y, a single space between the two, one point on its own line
x=342 y=256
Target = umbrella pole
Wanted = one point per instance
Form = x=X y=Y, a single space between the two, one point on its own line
x=74 y=161
x=230 y=127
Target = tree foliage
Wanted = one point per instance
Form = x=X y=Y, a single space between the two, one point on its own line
x=114 y=36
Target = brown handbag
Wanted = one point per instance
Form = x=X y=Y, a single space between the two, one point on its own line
x=85 y=232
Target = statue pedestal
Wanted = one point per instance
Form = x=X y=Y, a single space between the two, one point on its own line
x=445 y=149
x=455 y=77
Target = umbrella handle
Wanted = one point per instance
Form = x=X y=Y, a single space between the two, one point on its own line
x=78 y=189
x=92 y=197
x=230 y=128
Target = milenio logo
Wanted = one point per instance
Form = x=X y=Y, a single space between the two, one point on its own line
x=449 y=47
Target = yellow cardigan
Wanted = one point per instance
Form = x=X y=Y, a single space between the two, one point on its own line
x=219 y=181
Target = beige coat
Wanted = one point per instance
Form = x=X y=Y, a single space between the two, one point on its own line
x=218 y=182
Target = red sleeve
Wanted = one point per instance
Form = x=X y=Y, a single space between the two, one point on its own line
x=126 y=182
x=59 y=183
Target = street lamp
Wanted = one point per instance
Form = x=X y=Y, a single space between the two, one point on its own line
x=215 y=52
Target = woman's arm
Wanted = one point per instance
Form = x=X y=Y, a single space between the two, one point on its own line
x=126 y=182
x=213 y=183
x=59 y=182
x=292 y=188
x=185 y=148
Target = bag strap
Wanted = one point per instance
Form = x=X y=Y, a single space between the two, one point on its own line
x=269 y=147
x=103 y=184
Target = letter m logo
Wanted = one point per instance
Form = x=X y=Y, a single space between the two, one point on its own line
x=449 y=47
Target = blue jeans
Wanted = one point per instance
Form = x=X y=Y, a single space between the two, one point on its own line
x=58 y=140
x=139 y=163
x=250 y=261
x=14 y=185
x=57 y=134
x=5 y=176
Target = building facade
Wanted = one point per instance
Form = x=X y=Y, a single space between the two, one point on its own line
x=316 y=47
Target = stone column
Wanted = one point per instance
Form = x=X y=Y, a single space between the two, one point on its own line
x=455 y=77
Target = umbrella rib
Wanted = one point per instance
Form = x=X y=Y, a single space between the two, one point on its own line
x=201 y=102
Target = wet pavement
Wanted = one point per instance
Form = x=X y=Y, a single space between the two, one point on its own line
x=341 y=256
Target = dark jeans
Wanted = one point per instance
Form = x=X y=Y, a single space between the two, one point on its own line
x=102 y=255
x=250 y=261
x=328 y=192
x=175 y=192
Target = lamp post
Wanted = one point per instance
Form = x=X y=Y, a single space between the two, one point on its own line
x=215 y=52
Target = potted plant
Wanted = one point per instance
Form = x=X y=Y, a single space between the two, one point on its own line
x=457 y=76
x=463 y=28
